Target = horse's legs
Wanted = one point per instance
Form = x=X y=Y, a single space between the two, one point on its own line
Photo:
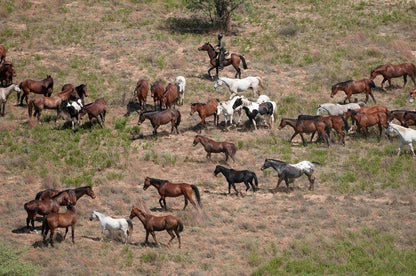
x=160 y=202
x=147 y=237
x=287 y=183
x=154 y=237
x=389 y=80
x=254 y=123
x=303 y=139
x=177 y=235
x=382 y=84
x=72 y=233
x=125 y=236
x=186 y=202
x=66 y=232
x=51 y=236
x=164 y=202
x=411 y=148
x=209 y=71
x=293 y=136
x=311 y=180
x=226 y=156
x=229 y=187
x=235 y=189
x=247 y=185
x=209 y=155
x=405 y=80
x=380 y=130
x=172 y=236
x=372 y=96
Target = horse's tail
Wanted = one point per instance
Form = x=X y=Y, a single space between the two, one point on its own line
x=260 y=83
x=371 y=83
x=180 y=226
x=346 y=126
x=244 y=62
x=256 y=182
x=316 y=163
x=197 y=195
x=30 y=107
x=327 y=129
x=30 y=208
x=178 y=120
x=45 y=225
x=130 y=225
x=413 y=69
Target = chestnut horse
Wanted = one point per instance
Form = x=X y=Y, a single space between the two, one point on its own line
x=205 y=110
x=337 y=123
x=157 y=90
x=158 y=118
x=96 y=109
x=3 y=53
x=153 y=223
x=60 y=220
x=234 y=60
x=365 y=120
x=306 y=124
x=168 y=189
x=211 y=146
x=140 y=92
x=389 y=71
x=44 y=87
x=354 y=87
x=170 y=96
x=7 y=73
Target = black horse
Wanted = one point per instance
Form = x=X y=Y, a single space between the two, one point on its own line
x=287 y=171
x=234 y=176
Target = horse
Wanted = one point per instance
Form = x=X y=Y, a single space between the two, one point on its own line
x=41 y=103
x=6 y=73
x=234 y=60
x=354 y=87
x=412 y=95
x=3 y=53
x=234 y=176
x=389 y=71
x=158 y=118
x=46 y=194
x=211 y=146
x=227 y=109
x=111 y=224
x=410 y=118
x=407 y=136
x=73 y=108
x=286 y=171
x=398 y=115
x=97 y=110
x=252 y=109
x=306 y=125
x=365 y=120
x=170 y=96
x=71 y=196
x=80 y=89
x=153 y=223
x=180 y=82
x=239 y=85
x=157 y=90
x=337 y=123
x=60 y=220
x=337 y=109
x=168 y=189
x=44 y=87
x=41 y=207
x=4 y=95
x=205 y=110
x=140 y=92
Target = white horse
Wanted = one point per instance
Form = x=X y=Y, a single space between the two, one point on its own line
x=337 y=109
x=262 y=99
x=181 y=83
x=4 y=94
x=227 y=109
x=239 y=85
x=253 y=109
x=111 y=224
x=407 y=135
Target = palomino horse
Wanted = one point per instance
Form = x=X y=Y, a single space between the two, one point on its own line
x=354 y=87
x=60 y=220
x=157 y=90
x=41 y=103
x=3 y=53
x=287 y=171
x=180 y=82
x=4 y=95
x=211 y=146
x=306 y=124
x=170 y=96
x=141 y=91
x=168 y=189
x=239 y=85
x=96 y=110
x=234 y=176
x=389 y=71
x=44 y=87
x=153 y=223
x=112 y=224
x=407 y=136
x=234 y=60
x=158 y=118
x=205 y=110
x=6 y=73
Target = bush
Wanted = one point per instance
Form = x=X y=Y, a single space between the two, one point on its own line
x=11 y=265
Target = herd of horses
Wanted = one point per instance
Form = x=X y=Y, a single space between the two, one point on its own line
x=165 y=98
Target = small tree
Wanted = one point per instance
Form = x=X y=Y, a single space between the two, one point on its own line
x=219 y=11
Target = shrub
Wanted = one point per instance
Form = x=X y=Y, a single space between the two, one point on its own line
x=10 y=263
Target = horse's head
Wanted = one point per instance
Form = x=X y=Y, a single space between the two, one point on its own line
x=82 y=91
x=373 y=74
x=217 y=170
x=90 y=193
x=219 y=109
x=93 y=216
x=237 y=103
x=204 y=47
x=282 y=123
x=266 y=165
x=193 y=109
x=141 y=119
x=146 y=183
x=197 y=140
x=136 y=212
x=218 y=83
x=334 y=90
x=412 y=96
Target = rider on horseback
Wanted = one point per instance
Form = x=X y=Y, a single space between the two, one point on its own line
x=221 y=51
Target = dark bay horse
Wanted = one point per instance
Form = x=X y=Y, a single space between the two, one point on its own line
x=234 y=60
x=211 y=146
x=3 y=53
x=337 y=123
x=287 y=171
x=389 y=71
x=46 y=194
x=141 y=91
x=158 y=118
x=44 y=87
x=71 y=196
x=41 y=207
x=170 y=96
x=205 y=110
x=95 y=110
x=153 y=223
x=351 y=87
x=168 y=189
x=410 y=118
x=398 y=115
x=157 y=90
x=60 y=220
x=234 y=176
x=80 y=89
x=307 y=125
x=7 y=73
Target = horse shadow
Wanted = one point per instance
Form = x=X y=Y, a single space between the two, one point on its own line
x=24 y=230
x=96 y=239
x=163 y=133
x=149 y=244
x=59 y=238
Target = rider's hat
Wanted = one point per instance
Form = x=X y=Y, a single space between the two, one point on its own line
x=219 y=36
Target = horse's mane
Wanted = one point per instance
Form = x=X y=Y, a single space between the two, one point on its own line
x=82 y=188
x=342 y=83
x=58 y=194
x=198 y=104
x=158 y=181
x=277 y=161
x=308 y=117
x=287 y=119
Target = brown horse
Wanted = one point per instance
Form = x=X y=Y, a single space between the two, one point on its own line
x=205 y=110
x=389 y=71
x=157 y=90
x=365 y=120
x=41 y=103
x=307 y=124
x=234 y=60
x=211 y=146
x=158 y=118
x=3 y=53
x=398 y=115
x=354 y=87
x=410 y=118
x=168 y=189
x=71 y=196
x=7 y=73
x=41 y=207
x=337 y=123
x=170 y=96
x=46 y=194
x=60 y=220
x=153 y=223
x=44 y=87
x=95 y=110
x=81 y=89
x=140 y=92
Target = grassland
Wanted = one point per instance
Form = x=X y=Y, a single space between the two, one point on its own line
x=361 y=218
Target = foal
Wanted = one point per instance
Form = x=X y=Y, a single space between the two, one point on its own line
x=140 y=92
x=94 y=110
x=111 y=224
x=205 y=110
x=153 y=223
x=234 y=176
x=211 y=146
x=60 y=220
